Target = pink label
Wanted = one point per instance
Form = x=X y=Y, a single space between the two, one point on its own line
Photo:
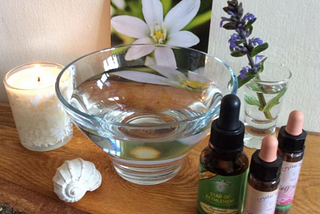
x=258 y=202
x=288 y=182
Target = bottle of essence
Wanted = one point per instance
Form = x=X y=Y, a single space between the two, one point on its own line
x=264 y=178
x=223 y=164
x=291 y=148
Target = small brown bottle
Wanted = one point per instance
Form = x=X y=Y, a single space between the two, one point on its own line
x=264 y=178
x=224 y=164
x=291 y=148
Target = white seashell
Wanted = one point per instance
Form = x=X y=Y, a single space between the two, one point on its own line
x=74 y=178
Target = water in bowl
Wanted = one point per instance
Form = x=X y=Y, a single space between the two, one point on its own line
x=146 y=128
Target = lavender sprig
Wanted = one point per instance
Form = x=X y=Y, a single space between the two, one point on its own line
x=241 y=45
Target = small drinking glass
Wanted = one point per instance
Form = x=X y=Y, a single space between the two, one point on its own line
x=263 y=99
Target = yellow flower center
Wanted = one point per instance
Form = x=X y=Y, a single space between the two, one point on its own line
x=159 y=33
x=194 y=84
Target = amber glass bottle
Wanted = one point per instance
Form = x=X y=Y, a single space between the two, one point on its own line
x=290 y=158
x=264 y=178
x=224 y=164
x=291 y=149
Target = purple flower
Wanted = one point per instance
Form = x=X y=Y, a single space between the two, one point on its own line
x=242 y=32
x=241 y=42
x=230 y=13
x=244 y=72
x=255 y=41
x=242 y=49
x=248 y=17
x=233 y=39
x=257 y=58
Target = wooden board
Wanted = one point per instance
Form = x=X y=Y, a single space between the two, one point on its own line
x=26 y=179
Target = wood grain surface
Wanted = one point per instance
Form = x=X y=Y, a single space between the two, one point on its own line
x=26 y=179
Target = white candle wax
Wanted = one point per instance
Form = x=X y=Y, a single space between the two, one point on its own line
x=40 y=119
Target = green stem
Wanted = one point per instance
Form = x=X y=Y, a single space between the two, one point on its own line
x=260 y=96
x=263 y=103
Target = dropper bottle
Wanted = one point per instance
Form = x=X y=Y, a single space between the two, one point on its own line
x=291 y=148
x=264 y=178
x=223 y=164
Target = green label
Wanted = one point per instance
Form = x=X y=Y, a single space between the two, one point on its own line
x=220 y=194
x=283 y=207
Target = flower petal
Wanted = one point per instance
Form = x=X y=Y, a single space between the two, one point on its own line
x=144 y=40
x=130 y=26
x=165 y=57
x=121 y=4
x=150 y=61
x=169 y=72
x=142 y=77
x=135 y=52
x=183 y=39
x=152 y=11
x=181 y=14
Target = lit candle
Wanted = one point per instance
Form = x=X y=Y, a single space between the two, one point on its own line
x=40 y=119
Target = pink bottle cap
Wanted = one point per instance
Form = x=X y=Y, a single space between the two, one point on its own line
x=269 y=147
x=295 y=123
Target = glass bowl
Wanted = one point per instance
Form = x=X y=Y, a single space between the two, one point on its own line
x=147 y=111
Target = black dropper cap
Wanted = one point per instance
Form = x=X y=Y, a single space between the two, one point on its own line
x=289 y=143
x=265 y=171
x=227 y=131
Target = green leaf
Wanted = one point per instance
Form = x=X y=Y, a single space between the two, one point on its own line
x=250 y=30
x=240 y=42
x=255 y=87
x=251 y=100
x=230 y=26
x=242 y=81
x=249 y=27
x=259 y=49
x=167 y=4
x=199 y=20
x=135 y=9
x=262 y=64
x=237 y=54
x=274 y=101
x=249 y=24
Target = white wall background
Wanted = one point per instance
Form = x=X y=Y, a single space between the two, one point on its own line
x=292 y=30
x=50 y=30
x=62 y=30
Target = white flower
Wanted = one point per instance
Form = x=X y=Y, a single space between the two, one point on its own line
x=120 y=4
x=195 y=80
x=157 y=30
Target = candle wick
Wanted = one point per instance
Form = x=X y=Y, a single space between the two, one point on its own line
x=38 y=79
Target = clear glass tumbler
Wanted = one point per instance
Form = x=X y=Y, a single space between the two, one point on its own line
x=263 y=97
